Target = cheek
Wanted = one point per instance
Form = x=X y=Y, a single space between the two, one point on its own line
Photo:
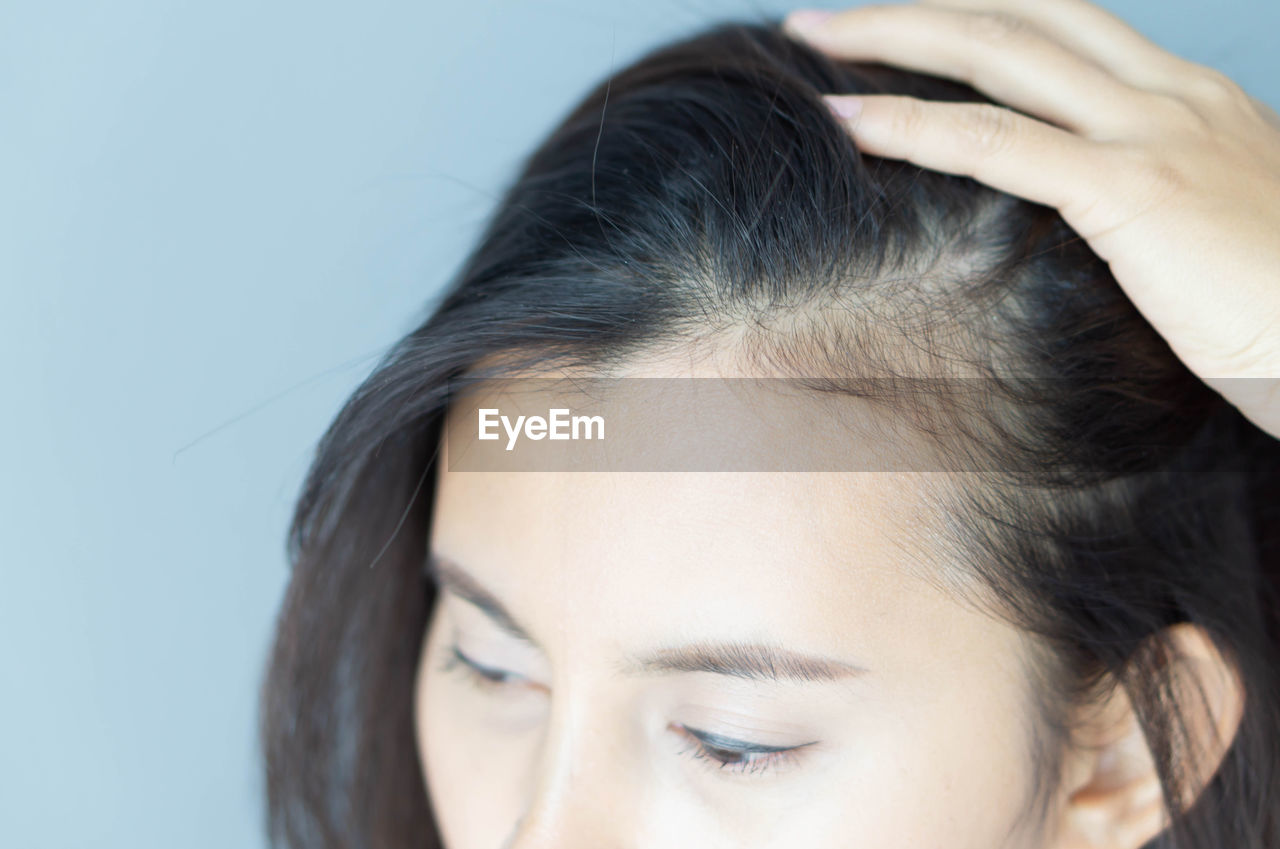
x=475 y=779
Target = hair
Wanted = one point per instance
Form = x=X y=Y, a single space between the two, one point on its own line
x=706 y=187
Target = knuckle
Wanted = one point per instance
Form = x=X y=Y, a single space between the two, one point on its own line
x=1182 y=112
x=988 y=129
x=996 y=27
x=1165 y=178
x=1212 y=85
x=1254 y=350
x=908 y=117
x=1155 y=173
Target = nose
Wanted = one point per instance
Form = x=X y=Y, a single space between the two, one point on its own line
x=572 y=820
x=583 y=794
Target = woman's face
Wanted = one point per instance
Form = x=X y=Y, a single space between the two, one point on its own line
x=712 y=660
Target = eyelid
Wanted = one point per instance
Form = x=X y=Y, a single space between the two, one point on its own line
x=483 y=669
x=454 y=583
x=483 y=675
x=466 y=617
x=719 y=741
x=729 y=755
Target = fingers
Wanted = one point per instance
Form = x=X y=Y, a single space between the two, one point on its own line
x=996 y=146
x=1001 y=55
x=1092 y=32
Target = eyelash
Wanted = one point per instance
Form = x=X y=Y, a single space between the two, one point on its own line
x=479 y=675
x=725 y=754
x=721 y=754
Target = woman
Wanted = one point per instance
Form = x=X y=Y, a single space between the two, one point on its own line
x=1052 y=623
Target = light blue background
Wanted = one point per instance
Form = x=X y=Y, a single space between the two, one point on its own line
x=215 y=217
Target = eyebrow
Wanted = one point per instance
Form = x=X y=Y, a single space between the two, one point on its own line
x=749 y=660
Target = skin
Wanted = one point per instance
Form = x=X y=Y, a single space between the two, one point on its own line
x=1167 y=168
x=572 y=751
x=575 y=753
x=923 y=736
x=1172 y=174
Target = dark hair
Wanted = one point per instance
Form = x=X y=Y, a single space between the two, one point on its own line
x=707 y=186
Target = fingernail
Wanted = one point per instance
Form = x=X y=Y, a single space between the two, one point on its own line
x=845 y=106
x=803 y=21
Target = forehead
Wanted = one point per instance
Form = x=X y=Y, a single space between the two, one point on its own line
x=828 y=563
x=771 y=525
x=844 y=562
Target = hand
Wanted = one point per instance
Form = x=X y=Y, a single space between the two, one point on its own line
x=1168 y=169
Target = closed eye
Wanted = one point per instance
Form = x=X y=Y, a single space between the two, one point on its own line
x=728 y=753
x=489 y=673
x=482 y=676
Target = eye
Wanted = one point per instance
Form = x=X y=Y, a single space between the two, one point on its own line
x=482 y=676
x=739 y=756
